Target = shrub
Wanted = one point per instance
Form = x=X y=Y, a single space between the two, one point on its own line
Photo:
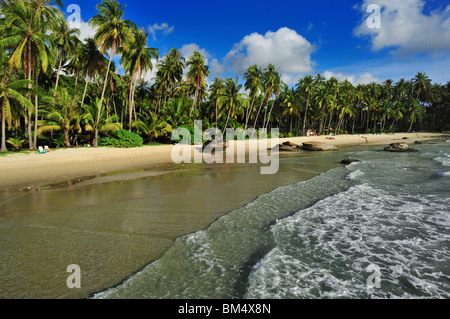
x=122 y=139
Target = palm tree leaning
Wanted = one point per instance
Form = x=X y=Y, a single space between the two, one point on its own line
x=11 y=90
x=65 y=43
x=137 y=62
x=92 y=61
x=306 y=90
x=254 y=84
x=113 y=33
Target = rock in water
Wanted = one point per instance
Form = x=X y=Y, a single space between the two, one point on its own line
x=290 y=144
x=217 y=145
x=348 y=161
x=317 y=146
x=286 y=148
x=400 y=148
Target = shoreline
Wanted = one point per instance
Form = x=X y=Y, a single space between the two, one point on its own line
x=72 y=166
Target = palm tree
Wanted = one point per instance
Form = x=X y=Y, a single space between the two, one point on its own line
x=267 y=78
x=176 y=111
x=25 y=26
x=60 y=115
x=421 y=86
x=277 y=89
x=170 y=72
x=75 y=65
x=65 y=42
x=93 y=62
x=347 y=97
x=231 y=99
x=106 y=124
x=137 y=62
x=254 y=84
x=11 y=90
x=113 y=33
x=153 y=126
x=198 y=71
x=216 y=90
x=289 y=105
x=305 y=88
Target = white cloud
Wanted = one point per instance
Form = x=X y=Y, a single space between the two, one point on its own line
x=407 y=29
x=163 y=28
x=285 y=48
x=364 y=78
x=86 y=31
x=188 y=50
x=150 y=76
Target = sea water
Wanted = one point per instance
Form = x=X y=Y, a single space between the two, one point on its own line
x=321 y=238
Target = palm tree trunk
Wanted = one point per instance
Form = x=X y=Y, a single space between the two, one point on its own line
x=265 y=113
x=217 y=116
x=259 y=111
x=306 y=114
x=226 y=124
x=30 y=136
x=36 y=106
x=270 y=114
x=247 y=118
x=367 y=122
x=76 y=82
x=290 y=128
x=195 y=102
x=59 y=71
x=130 y=109
x=411 y=126
x=66 y=139
x=3 y=147
x=85 y=90
x=103 y=96
x=353 y=127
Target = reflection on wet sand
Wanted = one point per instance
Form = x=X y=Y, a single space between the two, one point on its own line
x=112 y=226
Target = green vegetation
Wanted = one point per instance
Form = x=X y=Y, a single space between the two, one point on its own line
x=122 y=139
x=60 y=91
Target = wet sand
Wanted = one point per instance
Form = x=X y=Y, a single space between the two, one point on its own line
x=114 y=229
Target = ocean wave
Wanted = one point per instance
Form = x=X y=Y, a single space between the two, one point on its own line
x=355 y=174
x=211 y=263
x=324 y=251
x=444 y=159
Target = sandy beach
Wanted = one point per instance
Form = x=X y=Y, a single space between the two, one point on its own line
x=34 y=170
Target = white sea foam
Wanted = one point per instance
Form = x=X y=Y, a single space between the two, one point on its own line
x=355 y=174
x=324 y=251
x=444 y=159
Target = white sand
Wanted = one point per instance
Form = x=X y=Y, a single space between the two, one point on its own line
x=62 y=165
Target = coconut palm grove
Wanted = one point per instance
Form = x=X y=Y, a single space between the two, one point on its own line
x=60 y=91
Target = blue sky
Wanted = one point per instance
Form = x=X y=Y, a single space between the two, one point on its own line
x=300 y=37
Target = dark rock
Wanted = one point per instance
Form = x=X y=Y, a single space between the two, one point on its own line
x=216 y=145
x=287 y=148
x=317 y=146
x=400 y=148
x=290 y=144
x=348 y=161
